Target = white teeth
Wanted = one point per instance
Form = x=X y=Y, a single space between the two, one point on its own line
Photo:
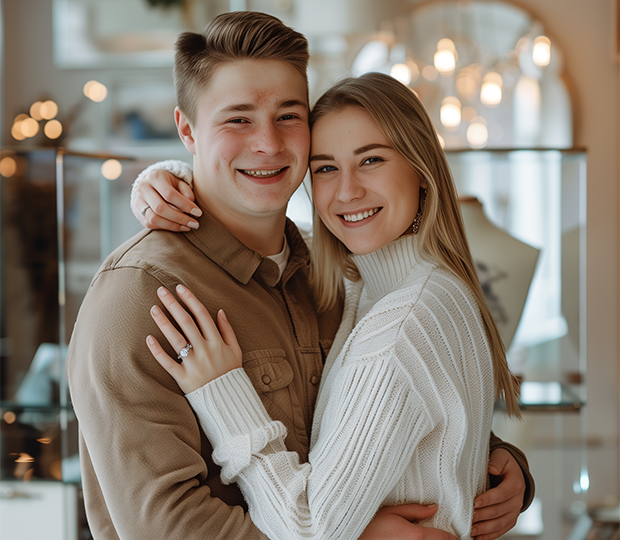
x=262 y=174
x=360 y=215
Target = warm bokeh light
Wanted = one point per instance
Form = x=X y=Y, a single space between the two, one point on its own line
x=477 y=134
x=8 y=167
x=429 y=73
x=48 y=110
x=9 y=416
x=450 y=112
x=446 y=44
x=445 y=61
x=541 y=52
x=24 y=458
x=95 y=91
x=491 y=91
x=53 y=129
x=44 y=440
x=16 y=131
x=401 y=72
x=111 y=169
x=29 y=127
x=35 y=110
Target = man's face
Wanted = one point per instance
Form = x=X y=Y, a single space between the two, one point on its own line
x=250 y=139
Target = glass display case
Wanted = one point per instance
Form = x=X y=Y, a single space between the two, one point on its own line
x=525 y=215
x=56 y=226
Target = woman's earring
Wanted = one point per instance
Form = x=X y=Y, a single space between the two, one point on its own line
x=415 y=227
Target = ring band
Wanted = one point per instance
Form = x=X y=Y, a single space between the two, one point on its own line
x=184 y=352
x=143 y=211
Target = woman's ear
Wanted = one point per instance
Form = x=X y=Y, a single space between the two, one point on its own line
x=185 y=130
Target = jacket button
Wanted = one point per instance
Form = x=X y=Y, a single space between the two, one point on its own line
x=314 y=380
x=266 y=379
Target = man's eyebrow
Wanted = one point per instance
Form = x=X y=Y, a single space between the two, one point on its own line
x=321 y=157
x=247 y=107
x=369 y=147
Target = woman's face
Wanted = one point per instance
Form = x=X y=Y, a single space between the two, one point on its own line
x=364 y=191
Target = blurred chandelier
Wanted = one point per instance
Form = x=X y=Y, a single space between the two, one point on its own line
x=464 y=59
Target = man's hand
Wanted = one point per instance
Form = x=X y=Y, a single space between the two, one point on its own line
x=395 y=523
x=496 y=511
x=162 y=201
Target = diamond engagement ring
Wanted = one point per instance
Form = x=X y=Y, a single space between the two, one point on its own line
x=184 y=352
x=143 y=211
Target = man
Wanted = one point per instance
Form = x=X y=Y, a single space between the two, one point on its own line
x=147 y=468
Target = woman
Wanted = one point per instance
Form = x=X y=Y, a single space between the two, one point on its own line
x=406 y=400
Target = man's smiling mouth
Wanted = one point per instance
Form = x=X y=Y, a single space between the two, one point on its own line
x=262 y=173
x=360 y=215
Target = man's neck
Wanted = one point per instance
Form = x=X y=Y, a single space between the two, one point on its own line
x=265 y=235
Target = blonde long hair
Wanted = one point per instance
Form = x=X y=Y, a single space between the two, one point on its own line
x=402 y=118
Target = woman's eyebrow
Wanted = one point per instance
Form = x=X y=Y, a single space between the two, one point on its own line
x=322 y=157
x=368 y=147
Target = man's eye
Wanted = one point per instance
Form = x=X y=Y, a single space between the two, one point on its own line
x=289 y=117
x=237 y=121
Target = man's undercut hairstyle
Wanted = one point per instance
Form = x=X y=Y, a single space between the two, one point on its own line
x=239 y=35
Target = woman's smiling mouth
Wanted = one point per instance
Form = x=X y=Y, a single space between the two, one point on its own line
x=360 y=215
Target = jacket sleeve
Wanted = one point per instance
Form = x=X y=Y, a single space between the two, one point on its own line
x=143 y=468
x=530 y=488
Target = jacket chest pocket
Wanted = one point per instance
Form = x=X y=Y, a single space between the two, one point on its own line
x=268 y=369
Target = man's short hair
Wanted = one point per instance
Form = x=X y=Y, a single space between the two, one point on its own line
x=239 y=35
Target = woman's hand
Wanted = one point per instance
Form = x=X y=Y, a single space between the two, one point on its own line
x=162 y=201
x=213 y=352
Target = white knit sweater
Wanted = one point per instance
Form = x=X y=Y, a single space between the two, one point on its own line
x=403 y=413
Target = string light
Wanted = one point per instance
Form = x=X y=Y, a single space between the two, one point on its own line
x=541 y=52
x=450 y=112
x=48 y=110
x=111 y=169
x=53 y=129
x=491 y=90
x=477 y=133
x=445 y=57
x=29 y=127
x=401 y=72
x=95 y=91
x=8 y=167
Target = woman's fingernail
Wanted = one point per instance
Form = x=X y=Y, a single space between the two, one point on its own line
x=193 y=224
x=181 y=289
x=150 y=340
x=162 y=291
x=223 y=315
x=155 y=310
x=196 y=212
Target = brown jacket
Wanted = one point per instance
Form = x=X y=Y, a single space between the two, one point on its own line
x=146 y=465
x=147 y=468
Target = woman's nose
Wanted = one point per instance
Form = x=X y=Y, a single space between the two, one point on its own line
x=349 y=187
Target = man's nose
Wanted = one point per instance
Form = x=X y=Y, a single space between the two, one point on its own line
x=268 y=140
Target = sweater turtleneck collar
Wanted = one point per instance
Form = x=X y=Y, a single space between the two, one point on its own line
x=383 y=269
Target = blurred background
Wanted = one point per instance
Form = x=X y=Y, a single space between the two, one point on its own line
x=524 y=95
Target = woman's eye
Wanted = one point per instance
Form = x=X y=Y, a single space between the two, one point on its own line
x=371 y=160
x=325 y=169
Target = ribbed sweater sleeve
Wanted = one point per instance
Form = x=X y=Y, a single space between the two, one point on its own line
x=351 y=469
